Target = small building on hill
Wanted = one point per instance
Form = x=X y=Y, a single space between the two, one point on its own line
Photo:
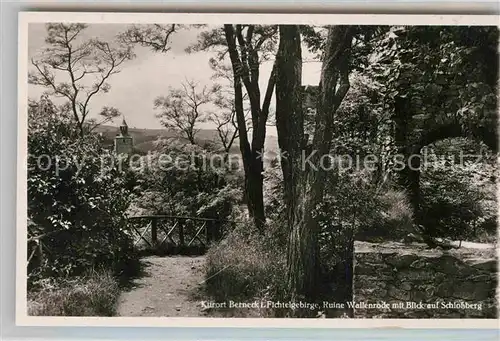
x=124 y=143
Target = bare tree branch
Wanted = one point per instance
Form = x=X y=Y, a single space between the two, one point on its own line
x=155 y=36
x=181 y=109
x=68 y=56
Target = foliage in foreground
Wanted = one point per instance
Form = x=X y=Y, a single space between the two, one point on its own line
x=76 y=212
x=458 y=191
x=245 y=266
x=180 y=179
x=186 y=180
x=92 y=295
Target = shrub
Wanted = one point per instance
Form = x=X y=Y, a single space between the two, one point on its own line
x=76 y=211
x=395 y=216
x=245 y=266
x=248 y=266
x=452 y=203
x=274 y=206
x=185 y=183
x=354 y=208
x=95 y=294
x=349 y=205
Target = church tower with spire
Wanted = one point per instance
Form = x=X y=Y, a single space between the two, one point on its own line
x=123 y=141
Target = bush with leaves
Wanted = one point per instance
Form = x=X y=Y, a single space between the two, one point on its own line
x=93 y=294
x=243 y=265
x=247 y=267
x=458 y=190
x=185 y=180
x=276 y=228
x=77 y=196
x=347 y=204
x=396 y=217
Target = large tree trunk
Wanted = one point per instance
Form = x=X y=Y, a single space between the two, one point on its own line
x=304 y=181
x=254 y=182
x=251 y=152
x=252 y=164
x=302 y=257
x=289 y=116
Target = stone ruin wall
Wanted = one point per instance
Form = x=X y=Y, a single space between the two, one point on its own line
x=397 y=273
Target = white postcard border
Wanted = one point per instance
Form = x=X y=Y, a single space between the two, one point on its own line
x=22 y=319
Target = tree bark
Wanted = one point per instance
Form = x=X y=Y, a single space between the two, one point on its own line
x=303 y=184
x=251 y=152
x=289 y=115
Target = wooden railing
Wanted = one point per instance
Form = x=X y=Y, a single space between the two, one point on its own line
x=181 y=232
x=201 y=231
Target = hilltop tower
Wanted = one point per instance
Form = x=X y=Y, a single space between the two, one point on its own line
x=123 y=141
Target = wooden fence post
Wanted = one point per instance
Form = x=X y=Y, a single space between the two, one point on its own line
x=181 y=233
x=208 y=228
x=154 y=232
x=218 y=230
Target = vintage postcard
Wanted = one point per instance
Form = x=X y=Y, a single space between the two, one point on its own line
x=257 y=170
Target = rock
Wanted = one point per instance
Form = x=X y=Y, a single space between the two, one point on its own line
x=403 y=261
x=178 y=307
x=423 y=293
x=398 y=293
x=473 y=291
x=416 y=275
x=375 y=291
x=481 y=278
x=449 y=265
x=412 y=237
x=418 y=264
x=444 y=289
x=489 y=265
x=393 y=272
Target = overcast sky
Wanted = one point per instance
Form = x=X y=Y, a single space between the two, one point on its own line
x=149 y=75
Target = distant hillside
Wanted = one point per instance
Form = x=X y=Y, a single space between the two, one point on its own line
x=144 y=138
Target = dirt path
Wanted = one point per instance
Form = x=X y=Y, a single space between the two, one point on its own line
x=170 y=288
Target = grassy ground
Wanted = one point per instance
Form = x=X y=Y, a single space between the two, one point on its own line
x=93 y=295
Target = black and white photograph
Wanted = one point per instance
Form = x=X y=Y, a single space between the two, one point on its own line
x=260 y=170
